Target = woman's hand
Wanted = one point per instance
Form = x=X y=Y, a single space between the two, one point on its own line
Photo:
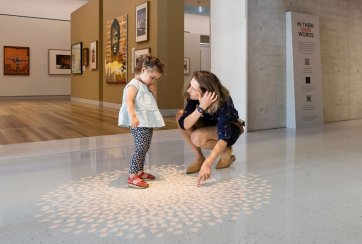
x=204 y=173
x=207 y=99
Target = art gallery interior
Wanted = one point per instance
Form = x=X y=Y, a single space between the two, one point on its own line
x=293 y=69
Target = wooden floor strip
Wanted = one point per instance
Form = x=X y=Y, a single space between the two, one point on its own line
x=52 y=119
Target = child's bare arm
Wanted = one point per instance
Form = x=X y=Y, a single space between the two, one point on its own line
x=130 y=97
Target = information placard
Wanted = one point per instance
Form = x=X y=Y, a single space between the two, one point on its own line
x=303 y=71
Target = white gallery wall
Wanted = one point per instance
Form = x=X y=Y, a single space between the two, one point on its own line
x=228 y=49
x=200 y=56
x=192 y=52
x=199 y=24
x=40 y=25
x=39 y=35
x=205 y=57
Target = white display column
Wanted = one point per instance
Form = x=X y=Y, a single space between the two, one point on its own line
x=303 y=71
x=228 y=35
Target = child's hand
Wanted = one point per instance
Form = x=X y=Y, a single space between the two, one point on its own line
x=135 y=122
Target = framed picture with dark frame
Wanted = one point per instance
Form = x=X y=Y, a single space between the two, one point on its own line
x=138 y=53
x=142 y=22
x=58 y=62
x=85 y=56
x=16 y=60
x=76 y=54
x=186 y=66
x=93 y=55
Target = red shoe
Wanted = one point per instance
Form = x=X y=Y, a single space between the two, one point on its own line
x=146 y=176
x=136 y=182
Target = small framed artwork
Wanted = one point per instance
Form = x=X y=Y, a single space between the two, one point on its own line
x=186 y=66
x=93 y=55
x=85 y=56
x=77 y=58
x=16 y=60
x=142 y=22
x=59 y=62
x=138 y=53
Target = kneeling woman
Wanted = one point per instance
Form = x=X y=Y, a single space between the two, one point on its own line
x=209 y=121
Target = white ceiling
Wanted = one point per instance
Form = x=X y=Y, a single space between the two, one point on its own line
x=52 y=9
x=59 y=9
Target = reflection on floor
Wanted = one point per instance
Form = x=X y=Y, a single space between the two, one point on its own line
x=286 y=186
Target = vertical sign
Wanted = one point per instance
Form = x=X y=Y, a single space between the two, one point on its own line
x=303 y=71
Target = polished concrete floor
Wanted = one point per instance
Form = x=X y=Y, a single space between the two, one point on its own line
x=286 y=186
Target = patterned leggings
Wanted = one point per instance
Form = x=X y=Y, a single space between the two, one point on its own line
x=142 y=137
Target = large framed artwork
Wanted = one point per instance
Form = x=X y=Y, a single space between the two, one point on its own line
x=93 y=55
x=77 y=58
x=142 y=22
x=59 y=62
x=116 y=50
x=16 y=60
x=138 y=53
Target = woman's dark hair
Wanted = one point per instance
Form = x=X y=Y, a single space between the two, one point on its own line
x=209 y=82
x=149 y=62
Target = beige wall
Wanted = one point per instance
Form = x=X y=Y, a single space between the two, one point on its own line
x=170 y=49
x=85 y=28
x=165 y=41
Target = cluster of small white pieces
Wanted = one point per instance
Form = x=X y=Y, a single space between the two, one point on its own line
x=171 y=205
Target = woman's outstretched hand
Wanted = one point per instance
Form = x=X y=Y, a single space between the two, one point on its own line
x=207 y=99
x=204 y=174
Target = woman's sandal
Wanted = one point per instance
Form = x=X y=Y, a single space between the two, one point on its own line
x=146 y=176
x=136 y=182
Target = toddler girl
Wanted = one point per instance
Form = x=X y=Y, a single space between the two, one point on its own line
x=139 y=111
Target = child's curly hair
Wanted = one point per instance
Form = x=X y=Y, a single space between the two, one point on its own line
x=148 y=62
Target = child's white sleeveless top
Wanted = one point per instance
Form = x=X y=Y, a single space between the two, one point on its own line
x=146 y=107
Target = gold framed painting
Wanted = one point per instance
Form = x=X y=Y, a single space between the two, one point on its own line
x=93 y=46
x=77 y=58
x=116 y=50
x=85 y=56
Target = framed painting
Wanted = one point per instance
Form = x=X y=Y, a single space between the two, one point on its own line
x=85 y=56
x=186 y=66
x=138 y=53
x=77 y=58
x=16 y=60
x=116 y=50
x=58 y=62
x=93 y=55
x=142 y=22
